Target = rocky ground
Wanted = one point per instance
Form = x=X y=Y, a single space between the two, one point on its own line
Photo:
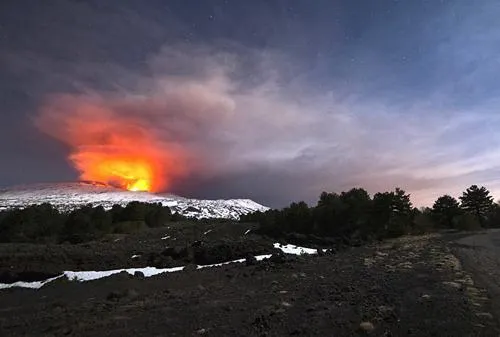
x=177 y=244
x=412 y=286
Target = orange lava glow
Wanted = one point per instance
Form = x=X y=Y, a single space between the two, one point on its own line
x=108 y=147
x=131 y=173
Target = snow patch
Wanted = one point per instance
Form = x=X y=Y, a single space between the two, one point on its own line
x=295 y=250
x=82 y=276
x=30 y=285
x=95 y=275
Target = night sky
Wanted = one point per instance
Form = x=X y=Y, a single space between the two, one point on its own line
x=278 y=100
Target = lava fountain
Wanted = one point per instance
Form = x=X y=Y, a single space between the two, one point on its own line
x=110 y=147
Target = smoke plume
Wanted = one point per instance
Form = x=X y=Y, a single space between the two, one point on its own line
x=233 y=122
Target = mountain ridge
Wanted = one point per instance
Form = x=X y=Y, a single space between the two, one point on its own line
x=67 y=196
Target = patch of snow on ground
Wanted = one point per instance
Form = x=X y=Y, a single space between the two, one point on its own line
x=95 y=275
x=30 y=285
x=83 y=276
x=295 y=250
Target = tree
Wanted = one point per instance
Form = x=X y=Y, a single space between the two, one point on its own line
x=391 y=214
x=355 y=213
x=79 y=226
x=326 y=214
x=468 y=222
x=494 y=216
x=478 y=202
x=298 y=218
x=134 y=211
x=35 y=223
x=445 y=211
x=270 y=223
x=101 y=219
x=423 y=221
x=157 y=215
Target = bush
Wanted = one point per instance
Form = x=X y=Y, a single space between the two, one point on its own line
x=494 y=217
x=157 y=215
x=423 y=223
x=467 y=222
x=129 y=227
x=33 y=224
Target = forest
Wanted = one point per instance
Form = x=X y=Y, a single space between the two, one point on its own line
x=356 y=217
x=45 y=224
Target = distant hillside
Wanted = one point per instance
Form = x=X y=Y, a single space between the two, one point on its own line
x=68 y=196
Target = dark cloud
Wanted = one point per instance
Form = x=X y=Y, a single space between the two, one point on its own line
x=275 y=101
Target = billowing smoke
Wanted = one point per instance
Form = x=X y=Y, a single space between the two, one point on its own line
x=189 y=119
x=212 y=123
x=294 y=112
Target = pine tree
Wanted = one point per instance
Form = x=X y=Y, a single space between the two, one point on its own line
x=478 y=202
x=445 y=210
x=391 y=213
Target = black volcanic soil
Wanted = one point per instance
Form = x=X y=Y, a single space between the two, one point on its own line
x=175 y=245
x=411 y=286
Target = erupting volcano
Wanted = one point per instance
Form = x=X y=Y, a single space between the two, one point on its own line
x=110 y=147
x=128 y=172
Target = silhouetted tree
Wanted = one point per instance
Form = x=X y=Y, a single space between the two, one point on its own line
x=134 y=211
x=468 y=221
x=423 y=221
x=327 y=214
x=494 y=216
x=391 y=213
x=445 y=211
x=157 y=215
x=478 y=202
x=298 y=218
x=345 y=214
x=101 y=220
x=116 y=213
x=356 y=212
x=79 y=226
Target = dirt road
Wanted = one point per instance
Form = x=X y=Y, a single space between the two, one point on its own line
x=412 y=286
x=480 y=256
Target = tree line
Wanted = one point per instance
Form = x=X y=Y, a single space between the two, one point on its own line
x=351 y=215
x=44 y=223
x=354 y=215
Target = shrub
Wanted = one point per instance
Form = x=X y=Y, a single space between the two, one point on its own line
x=129 y=227
x=467 y=222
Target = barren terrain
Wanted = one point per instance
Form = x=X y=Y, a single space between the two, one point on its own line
x=411 y=286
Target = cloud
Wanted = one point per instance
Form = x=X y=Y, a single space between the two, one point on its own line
x=248 y=122
x=233 y=123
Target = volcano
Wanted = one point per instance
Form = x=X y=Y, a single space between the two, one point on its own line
x=69 y=196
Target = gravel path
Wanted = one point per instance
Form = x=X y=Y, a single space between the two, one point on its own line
x=480 y=255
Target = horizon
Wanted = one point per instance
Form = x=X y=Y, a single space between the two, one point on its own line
x=310 y=203
x=274 y=101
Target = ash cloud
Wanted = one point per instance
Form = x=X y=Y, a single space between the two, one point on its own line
x=296 y=106
x=237 y=125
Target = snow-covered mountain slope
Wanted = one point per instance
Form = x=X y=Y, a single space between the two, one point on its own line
x=68 y=196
